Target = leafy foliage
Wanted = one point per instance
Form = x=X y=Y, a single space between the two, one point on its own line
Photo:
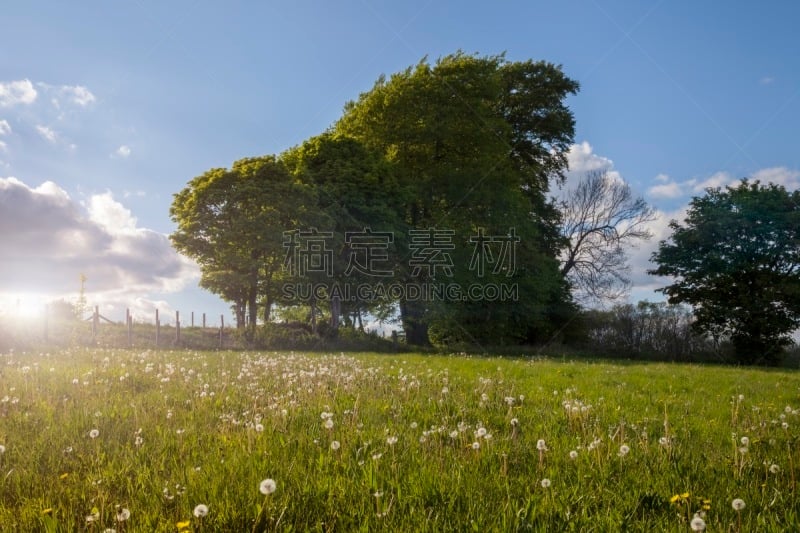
x=736 y=260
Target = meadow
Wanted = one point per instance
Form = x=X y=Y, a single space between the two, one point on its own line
x=131 y=440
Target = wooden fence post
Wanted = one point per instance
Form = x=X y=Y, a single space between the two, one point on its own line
x=95 y=321
x=221 y=328
x=129 y=324
x=192 y=318
x=204 y=321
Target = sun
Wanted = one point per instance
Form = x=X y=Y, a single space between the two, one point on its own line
x=23 y=305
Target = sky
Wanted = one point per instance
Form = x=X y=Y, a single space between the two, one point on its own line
x=108 y=109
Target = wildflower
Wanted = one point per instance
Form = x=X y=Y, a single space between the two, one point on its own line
x=476 y=445
x=123 y=514
x=48 y=511
x=774 y=469
x=481 y=432
x=391 y=440
x=743 y=450
x=94 y=433
x=573 y=455
x=737 y=504
x=514 y=422
x=541 y=446
x=335 y=445
x=624 y=450
x=268 y=486
x=454 y=434
x=259 y=428
x=545 y=483
x=200 y=510
x=328 y=423
x=745 y=441
x=183 y=525
x=663 y=441
x=2 y=449
x=698 y=524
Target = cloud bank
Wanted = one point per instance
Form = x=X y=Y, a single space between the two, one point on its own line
x=48 y=240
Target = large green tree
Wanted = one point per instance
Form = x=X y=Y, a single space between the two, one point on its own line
x=232 y=222
x=358 y=191
x=476 y=141
x=736 y=260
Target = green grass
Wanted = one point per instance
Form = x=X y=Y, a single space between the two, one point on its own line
x=181 y=428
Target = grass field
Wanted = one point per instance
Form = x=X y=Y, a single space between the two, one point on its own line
x=94 y=440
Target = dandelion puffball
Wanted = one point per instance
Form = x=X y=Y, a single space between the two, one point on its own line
x=738 y=504
x=268 y=486
x=335 y=445
x=200 y=510
x=545 y=483
x=573 y=455
x=698 y=524
x=94 y=433
x=541 y=445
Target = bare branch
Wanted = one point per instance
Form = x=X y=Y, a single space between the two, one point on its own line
x=601 y=218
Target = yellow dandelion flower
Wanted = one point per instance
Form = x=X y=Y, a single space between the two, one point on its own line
x=685 y=496
x=183 y=525
x=48 y=511
x=64 y=475
x=675 y=498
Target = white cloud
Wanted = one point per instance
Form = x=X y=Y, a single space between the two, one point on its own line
x=779 y=175
x=78 y=94
x=47 y=133
x=663 y=178
x=123 y=151
x=48 y=240
x=766 y=80
x=5 y=127
x=666 y=190
x=718 y=179
x=17 y=92
x=3 y=147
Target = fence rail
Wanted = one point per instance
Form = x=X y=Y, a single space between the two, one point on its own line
x=50 y=328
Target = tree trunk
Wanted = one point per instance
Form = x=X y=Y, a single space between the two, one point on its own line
x=412 y=315
x=336 y=311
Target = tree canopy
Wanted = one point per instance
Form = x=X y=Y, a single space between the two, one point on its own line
x=448 y=163
x=736 y=260
x=476 y=142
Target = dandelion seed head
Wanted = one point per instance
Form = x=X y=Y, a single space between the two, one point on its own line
x=476 y=445
x=94 y=433
x=774 y=469
x=541 y=445
x=624 y=450
x=573 y=455
x=738 y=504
x=335 y=445
x=698 y=524
x=123 y=514
x=745 y=441
x=545 y=483
x=200 y=510
x=268 y=486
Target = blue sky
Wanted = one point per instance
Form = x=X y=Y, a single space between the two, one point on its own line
x=108 y=109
